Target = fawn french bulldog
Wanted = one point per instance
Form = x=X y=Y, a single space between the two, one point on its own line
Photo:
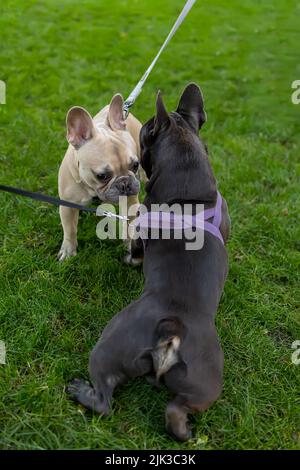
x=102 y=161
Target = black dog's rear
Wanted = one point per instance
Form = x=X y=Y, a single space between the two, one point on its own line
x=169 y=334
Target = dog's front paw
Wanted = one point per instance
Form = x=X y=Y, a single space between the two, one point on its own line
x=128 y=259
x=82 y=392
x=135 y=252
x=66 y=251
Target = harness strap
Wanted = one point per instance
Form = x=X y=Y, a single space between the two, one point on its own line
x=216 y=212
x=168 y=220
x=208 y=227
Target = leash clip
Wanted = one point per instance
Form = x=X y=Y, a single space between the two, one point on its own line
x=127 y=104
x=112 y=215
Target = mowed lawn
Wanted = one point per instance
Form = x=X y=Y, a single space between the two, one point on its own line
x=58 y=53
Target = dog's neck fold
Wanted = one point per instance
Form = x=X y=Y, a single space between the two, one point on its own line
x=74 y=167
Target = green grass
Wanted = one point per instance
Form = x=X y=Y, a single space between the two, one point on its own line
x=58 y=53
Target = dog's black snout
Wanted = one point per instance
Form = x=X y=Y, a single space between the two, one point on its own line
x=124 y=185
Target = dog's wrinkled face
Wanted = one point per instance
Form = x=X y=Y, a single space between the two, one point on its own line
x=172 y=154
x=106 y=154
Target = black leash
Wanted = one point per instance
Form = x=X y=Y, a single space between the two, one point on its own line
x=50 y=199
x=61 y=202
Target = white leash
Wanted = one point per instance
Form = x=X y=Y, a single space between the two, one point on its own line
x=137 y=90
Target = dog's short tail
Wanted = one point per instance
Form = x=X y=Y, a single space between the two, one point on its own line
x=168 y=338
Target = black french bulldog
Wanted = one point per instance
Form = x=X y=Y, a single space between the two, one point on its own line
x=169 y=333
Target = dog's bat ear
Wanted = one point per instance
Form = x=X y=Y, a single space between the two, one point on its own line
x=162 y=116
x=115 y=113
x=191 y=107
x=79 y=126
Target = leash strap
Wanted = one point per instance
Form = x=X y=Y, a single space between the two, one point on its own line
x=44 y=198
x=59 y=202
x=137 y=90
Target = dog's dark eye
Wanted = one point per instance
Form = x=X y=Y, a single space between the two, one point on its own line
x=135 y=167
x=103 y=176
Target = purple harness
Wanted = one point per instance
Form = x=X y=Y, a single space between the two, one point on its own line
x=169 y=220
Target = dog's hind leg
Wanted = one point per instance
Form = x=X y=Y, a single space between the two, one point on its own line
x=177 y=416
x=85 y=394
x=177 y=419
x=190 y=397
